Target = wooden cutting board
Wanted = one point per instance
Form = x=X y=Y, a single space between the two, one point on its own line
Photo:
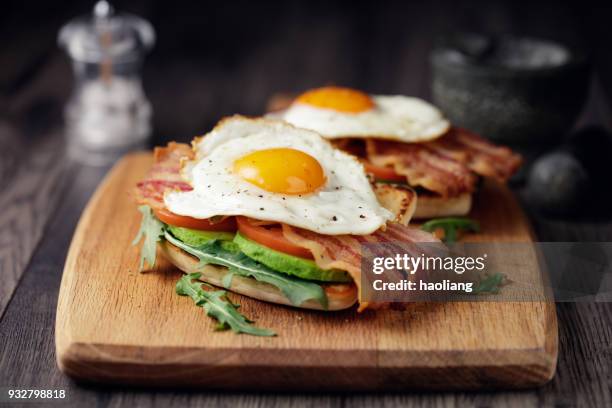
x=117 y=325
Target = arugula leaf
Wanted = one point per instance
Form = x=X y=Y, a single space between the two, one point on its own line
x=490 y=284
x=217 y=305
x=450 y=226
x=297 y=290
x=152 y=230
x=227 y=280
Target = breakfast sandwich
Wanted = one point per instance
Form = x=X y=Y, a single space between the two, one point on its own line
x=270 y=211
x=404 y=141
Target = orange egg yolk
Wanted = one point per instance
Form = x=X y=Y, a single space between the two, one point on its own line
x=281 y=170
x=337 y=98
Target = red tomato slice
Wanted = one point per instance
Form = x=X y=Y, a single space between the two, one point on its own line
x=383 y=173
x=271 y=237
x=228 y=224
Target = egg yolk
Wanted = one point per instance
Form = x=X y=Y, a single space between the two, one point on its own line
x=337 y=98
x=281 y=170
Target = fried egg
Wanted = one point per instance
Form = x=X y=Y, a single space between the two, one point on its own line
x=337 y=112
x=269 y=170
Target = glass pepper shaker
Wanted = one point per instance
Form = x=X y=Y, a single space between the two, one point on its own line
x=108 y=113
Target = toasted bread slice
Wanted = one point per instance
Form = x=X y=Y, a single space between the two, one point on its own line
x=339 y=295
x=431 y=206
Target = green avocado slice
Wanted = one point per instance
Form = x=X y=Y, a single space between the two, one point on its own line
x=289 y=264
x=197 y=238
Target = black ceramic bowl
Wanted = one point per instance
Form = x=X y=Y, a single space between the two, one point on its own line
x=518 y=91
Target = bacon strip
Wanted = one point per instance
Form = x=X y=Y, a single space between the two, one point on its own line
x=344 y=251
x=422 y=166
x=164 y=175
x=446 y=165
x=478 y=154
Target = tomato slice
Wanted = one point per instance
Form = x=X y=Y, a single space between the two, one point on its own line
x=271 y=237
x=228 y=224
x=383 y=173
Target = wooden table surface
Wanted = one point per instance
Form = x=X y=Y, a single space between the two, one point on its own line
x=215 y=62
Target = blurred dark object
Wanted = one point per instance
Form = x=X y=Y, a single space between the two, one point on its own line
x=593 y=147
x=558 y=183
x=519 y=91
x=575 y=178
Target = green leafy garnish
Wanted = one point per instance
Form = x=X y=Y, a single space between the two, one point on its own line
x=450 y=226
x=217 y=305
x=152 y=230
x=490 y=284
x=218 y=253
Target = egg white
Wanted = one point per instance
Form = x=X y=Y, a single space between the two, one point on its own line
x=397 y=117
x=345 y=204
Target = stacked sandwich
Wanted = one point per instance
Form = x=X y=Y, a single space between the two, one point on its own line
x=278 y=208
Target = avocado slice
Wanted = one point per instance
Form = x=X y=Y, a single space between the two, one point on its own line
x=196 y=238
x=289 y=264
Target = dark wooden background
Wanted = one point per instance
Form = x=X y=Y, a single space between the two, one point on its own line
x=217 y=59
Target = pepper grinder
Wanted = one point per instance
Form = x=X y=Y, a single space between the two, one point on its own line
x=108 y=113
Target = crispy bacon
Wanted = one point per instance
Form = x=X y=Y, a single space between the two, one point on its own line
x=422 y=166
x=164 y=175
x=446 y=165
x=344 y=251
x=480 y=155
